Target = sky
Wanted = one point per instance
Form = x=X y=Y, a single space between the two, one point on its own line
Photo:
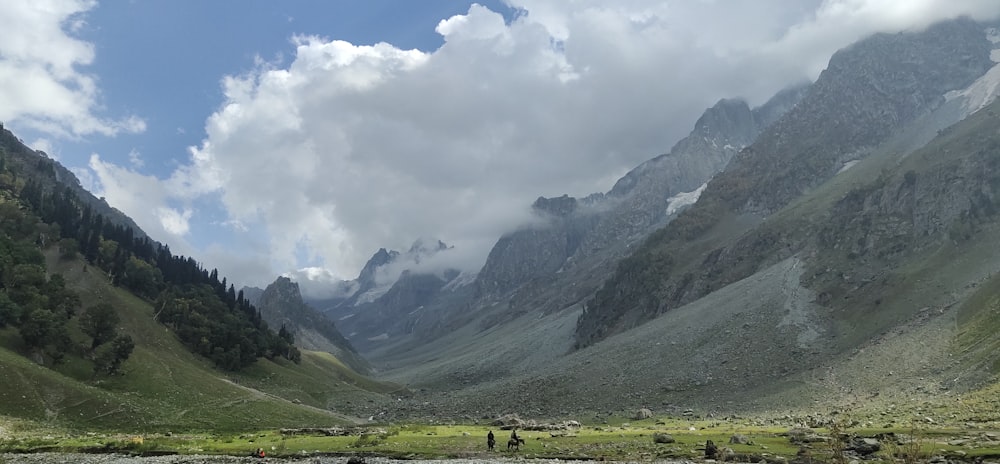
x=297 y=138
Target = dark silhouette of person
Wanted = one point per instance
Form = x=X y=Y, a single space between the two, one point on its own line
x=711 y=451
x=490 y=440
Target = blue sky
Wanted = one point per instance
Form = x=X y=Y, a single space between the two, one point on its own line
x=163 y=60
x=267 y=138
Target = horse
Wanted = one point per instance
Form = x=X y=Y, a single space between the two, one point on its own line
x=515 y=443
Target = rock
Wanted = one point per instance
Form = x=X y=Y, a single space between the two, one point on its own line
x=738 y=439
x=663 y=438
x=864 y=446
x=508 y=421
x=798 y=434
x=642 y=414
x=356 y=460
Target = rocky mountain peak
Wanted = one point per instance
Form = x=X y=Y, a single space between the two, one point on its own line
x=427 y=246
x=366 y=279
x=557 y=206
x=282 y=290
x=281 y=304
x=729 y=118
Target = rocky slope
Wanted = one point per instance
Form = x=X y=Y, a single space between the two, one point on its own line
x=868 y=94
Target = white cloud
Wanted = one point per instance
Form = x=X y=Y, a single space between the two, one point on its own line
x=173 y=221
x=144 y=198
x=351 y=148
x=135 y=159
x=41 y=85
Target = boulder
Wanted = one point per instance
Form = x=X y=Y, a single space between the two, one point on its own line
x=663 y=438
x=738 y=439
x=508 y=421
x=864 y=446
x=642 y=414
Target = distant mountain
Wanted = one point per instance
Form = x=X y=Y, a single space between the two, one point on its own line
x=561 y=258
x=389 y=292
x=281 y=305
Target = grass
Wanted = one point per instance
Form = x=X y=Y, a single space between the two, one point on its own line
x=629 y=441
x=632 y=441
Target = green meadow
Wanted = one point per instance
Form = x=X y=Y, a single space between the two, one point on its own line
x=617 y=440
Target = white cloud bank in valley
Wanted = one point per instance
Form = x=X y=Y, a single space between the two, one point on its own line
x=349 y=148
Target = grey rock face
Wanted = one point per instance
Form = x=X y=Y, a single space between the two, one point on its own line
x=366 y=279
x=394 y=313
x=562 y=259
x=870 y=91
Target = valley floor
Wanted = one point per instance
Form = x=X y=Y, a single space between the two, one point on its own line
x=66 y=458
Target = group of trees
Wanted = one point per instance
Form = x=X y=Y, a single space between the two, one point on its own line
x=41 y=306
x=206 y=313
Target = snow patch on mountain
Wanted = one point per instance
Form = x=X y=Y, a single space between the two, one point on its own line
x=982 y=92
x=683 y=199
x=375 y=293
x=463 y=279
x=847 y=165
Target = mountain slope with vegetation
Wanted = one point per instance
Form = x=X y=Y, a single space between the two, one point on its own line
x=101 y=326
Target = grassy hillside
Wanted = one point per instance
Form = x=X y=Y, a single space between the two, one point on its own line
x=165 y=386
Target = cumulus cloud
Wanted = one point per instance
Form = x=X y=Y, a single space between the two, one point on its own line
x=144 y=198
x=354 y=147
x=41 y=85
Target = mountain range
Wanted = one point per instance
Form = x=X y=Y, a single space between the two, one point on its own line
x=767 y=246
x=833 y=246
